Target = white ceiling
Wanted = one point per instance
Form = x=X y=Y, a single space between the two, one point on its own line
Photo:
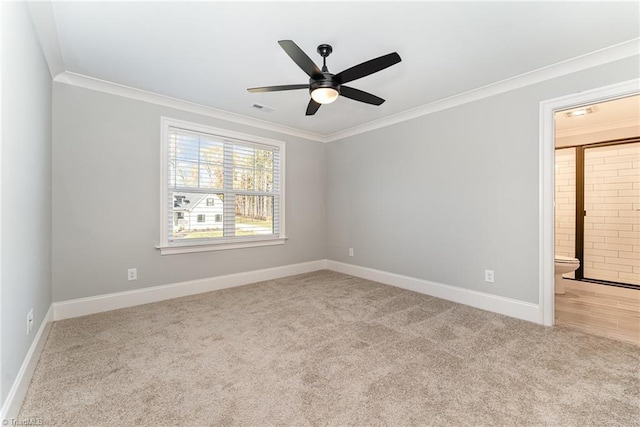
x=209 y=52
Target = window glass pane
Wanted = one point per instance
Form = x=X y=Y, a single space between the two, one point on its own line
x=264 y=159
x=254 y=215
x=264 y=180
x=211 y=151
x=172 y=173
x=253 y=169
x=264 y=170
x=173 y=137
x=186 y=174
x=243 y=179
x=243 y=156
x=211 y=176
x=197 y=215
x=186 y=147
x=195 y=161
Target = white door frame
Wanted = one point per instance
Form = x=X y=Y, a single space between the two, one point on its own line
x=547 y=177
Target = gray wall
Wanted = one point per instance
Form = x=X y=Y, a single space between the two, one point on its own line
x=445 y=196
x=106 y=189
x=25 y=261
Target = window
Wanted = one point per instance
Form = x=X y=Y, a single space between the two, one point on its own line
x=234 y=179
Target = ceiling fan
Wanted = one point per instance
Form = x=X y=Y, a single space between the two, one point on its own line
x=324 y=86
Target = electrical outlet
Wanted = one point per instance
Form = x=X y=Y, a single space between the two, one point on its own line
x=29 y=321
x=350 y=251
x=489 y=276
x=132 y=274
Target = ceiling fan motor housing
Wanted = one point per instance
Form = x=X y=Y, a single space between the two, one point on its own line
x=327 y=80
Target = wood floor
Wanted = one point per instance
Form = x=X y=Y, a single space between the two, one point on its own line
x=608 y=311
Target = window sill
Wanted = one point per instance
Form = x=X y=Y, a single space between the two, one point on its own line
x=205 y=247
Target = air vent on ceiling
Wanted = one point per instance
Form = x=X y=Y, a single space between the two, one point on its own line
x=263 y=108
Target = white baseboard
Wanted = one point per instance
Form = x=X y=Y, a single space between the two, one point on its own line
x=16 y=395
x=497 y=304
x=84 y=306
x=91 y=305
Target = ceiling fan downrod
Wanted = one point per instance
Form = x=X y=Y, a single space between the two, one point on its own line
x=325 y=50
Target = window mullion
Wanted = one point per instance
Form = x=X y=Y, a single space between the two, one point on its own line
x=199 y=163
x=229 y=213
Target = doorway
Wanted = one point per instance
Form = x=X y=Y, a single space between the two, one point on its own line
x=597 y=217
x=546 y=180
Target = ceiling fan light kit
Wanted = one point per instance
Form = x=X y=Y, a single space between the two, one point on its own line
x=325 y=87
x=324 y=95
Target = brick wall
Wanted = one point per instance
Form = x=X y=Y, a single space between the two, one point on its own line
x=565 y=203
x=612 y=224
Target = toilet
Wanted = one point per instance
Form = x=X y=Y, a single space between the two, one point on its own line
x=563 y=265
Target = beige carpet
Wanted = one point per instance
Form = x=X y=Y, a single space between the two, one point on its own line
x=327 y=349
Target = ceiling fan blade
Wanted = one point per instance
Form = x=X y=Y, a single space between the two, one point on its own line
x=368 y=67
x=277 y=88
x=312 y=107
x=300 y=58
x=360 y=95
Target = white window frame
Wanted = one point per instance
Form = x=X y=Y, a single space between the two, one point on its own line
x=169 y=248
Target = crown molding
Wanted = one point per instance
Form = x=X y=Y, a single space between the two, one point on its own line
x=603 y=56
x=579 y=63
x=99 y=85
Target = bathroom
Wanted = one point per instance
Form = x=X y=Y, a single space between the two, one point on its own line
x=597 y=218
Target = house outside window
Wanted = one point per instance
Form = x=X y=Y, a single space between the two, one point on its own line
x=227 y=187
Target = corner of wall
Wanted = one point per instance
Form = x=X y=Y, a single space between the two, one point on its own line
x=12 y=404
